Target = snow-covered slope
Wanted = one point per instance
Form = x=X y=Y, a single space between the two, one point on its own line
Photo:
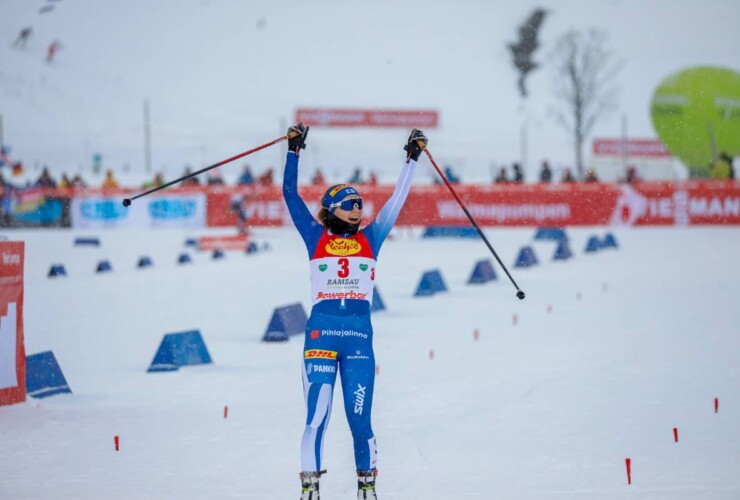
x=639 y=340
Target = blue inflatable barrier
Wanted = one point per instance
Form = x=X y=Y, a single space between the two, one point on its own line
x=57 y=270
x=526 y=258
x=144 y=262
x=286 y=321
x=431 y=282
x=609 y=241
x=180 y=349
x=184 y=259
x=252 y=247
x=593 y=244
x=450 y=232
x=44 y=377
x=378 y=304
x=218 y=254
x=93 y=242
x=563 y=251
x=103 y=267
x=551 y=233
x=191 y=242
x=482 y=273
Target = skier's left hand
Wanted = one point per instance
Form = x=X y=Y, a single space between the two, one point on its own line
x=412 y=147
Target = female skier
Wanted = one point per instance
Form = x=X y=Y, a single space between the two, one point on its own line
x=339 y=335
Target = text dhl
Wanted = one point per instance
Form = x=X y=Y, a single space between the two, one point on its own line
x=318 y=353
x=343 y=246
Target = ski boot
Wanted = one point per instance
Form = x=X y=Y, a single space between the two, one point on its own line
x=310 y=484
x=366 y=484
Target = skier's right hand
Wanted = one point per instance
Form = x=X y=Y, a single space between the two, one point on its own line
x=297 y=137
x=412 y=147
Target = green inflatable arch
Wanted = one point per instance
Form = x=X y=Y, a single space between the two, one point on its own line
x=696 y=113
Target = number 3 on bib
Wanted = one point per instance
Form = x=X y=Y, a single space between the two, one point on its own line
x=343 y=268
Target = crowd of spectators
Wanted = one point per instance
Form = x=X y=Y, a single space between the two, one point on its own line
x=512 y=174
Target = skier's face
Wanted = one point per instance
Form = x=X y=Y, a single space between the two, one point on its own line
x=354 y=214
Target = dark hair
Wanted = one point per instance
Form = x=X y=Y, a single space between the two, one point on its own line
x=323 y=213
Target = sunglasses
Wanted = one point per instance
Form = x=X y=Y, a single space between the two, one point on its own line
x=348 y=205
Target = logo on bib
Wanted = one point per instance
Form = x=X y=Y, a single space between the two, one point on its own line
x=343 y=246
x=323 y=267
x=363 y=267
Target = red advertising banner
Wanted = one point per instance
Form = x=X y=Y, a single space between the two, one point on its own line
x=333 y=117
x=12 y=351
x=641 y=204
x=645 y=148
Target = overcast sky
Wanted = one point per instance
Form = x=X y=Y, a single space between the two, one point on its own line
x=223 y=76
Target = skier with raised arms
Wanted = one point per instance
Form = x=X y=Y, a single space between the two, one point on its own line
x=339 y=335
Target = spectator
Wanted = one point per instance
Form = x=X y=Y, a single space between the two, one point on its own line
x=266 y=178
x=109 y=182
x=518 y=175
x=545 y=172
x=356 y=177
x=156 y=182
x=568 y=176
x=4 y=185
x=373 y=180
x=46 y=180
x=454 y=179
x=5 y=201
x=78 y=183
x=215 y=180
x=721 y=168
x=23 y=37
x=591 y=176
x=501 y=178
x=65 y=182
x=246 y=177
x=52 y=50
x=318 y=178
x=631 y=176
x=191 y=181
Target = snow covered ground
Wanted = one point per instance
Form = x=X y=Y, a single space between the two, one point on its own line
x=639 y=340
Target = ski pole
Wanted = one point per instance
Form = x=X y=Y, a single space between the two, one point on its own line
x=519 y=292
x=127 y=201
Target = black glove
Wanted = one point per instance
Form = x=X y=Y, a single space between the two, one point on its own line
x=298 y=142
x=412 y=147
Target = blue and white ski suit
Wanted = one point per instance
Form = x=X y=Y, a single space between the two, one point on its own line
x=339 y=334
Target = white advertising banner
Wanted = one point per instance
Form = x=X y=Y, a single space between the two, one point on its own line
x=175 y=210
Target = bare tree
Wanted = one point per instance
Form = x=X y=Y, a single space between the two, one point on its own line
x=583 y=84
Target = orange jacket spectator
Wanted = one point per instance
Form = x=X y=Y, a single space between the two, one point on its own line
x=109 y=182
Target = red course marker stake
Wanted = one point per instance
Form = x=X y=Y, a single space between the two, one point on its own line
x=476 y=335
x=716 y=405
x=628 y=462
x=431 y=353
x=226 y=411
x=514 y=319
x=675 y=434
x=549 y=309
x=377 y=369
x=115 y=442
